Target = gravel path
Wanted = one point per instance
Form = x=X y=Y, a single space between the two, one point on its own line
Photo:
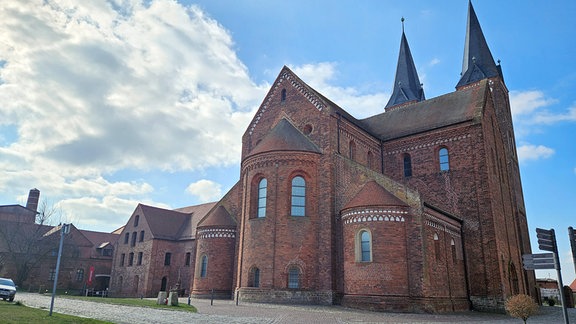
x=225 y=311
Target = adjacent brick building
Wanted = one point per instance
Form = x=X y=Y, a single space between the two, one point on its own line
x=419 y=208
x=29 y=250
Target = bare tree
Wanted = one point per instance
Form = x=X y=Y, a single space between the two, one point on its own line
x=23 y=244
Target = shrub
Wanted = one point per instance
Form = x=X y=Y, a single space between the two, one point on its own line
x=521 y=306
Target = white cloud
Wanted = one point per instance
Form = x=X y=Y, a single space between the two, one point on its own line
x=92 y=88
x=526 y=102
x=205 y=190
x=534 y=152
x=321 y=76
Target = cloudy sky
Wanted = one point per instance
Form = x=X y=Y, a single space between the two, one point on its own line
x=105 y=104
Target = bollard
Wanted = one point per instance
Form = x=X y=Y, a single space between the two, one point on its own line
x=212 y=297
x=188 y=300
x=237 y=291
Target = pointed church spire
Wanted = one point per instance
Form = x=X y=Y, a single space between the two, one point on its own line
x=478 y=62
x=407 y=86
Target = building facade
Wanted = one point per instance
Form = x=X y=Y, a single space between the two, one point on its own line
x=418 y=208
x=29 y=250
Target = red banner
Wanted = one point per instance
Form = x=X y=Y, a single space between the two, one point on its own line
x=90 y=275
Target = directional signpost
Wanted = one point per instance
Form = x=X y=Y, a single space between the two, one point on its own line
x=547 y=242
x=539 y=261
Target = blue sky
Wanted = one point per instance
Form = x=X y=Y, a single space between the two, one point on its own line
x=105 y=104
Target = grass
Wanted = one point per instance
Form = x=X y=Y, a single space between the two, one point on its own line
x=18 y=313
x=134 y=302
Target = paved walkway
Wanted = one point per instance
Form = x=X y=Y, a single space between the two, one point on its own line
x=225 y=311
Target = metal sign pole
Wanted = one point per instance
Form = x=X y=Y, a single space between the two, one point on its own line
x=63 y=231
x=561 y=288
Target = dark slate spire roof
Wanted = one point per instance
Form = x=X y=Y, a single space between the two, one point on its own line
x=407 y=86
x=285 y=137
x=478 y=62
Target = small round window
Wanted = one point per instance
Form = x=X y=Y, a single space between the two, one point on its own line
x=307 y=129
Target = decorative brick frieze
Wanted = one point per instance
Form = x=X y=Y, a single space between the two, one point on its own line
x=428 y=144
x=216 y=233
x=312 y=98
x=441 y=225
x=373 y=215
x=302 y=159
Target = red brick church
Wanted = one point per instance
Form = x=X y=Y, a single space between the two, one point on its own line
x=418 y=208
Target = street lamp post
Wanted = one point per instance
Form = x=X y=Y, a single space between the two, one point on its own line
x=64 y=230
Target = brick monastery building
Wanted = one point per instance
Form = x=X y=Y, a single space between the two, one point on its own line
x=418 y=208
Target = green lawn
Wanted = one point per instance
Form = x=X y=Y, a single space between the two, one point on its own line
x=18 y=313
x=134 y=302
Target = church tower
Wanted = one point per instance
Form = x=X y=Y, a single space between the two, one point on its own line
x=407 y=86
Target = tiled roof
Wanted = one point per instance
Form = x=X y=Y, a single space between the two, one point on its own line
x=218 y=217
x=373 y=194
x=164 y=223
x=285 y=137
x=198 y=212
x=99 y=238
x=449 y=109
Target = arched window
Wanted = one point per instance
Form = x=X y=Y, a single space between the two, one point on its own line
x=262 y=197
x=363 y=246
x=436 y=247
x=352 y=150
x=163 y=284
x=256 y=277
x=120 y=282
x=126 y=238
x=204 y=266
x=283 y=95
x=298 y=201
x=136 y=282
x=136 y=220
x=141 y=236
x=370 y=160
x=294 y=278
x=167 y=258
x=407 y=166
x=453 y=249
x=444 y=159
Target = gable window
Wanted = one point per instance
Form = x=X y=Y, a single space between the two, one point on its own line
x=187 y=259
x=262 y=185
x=453 y=250
x=122 y=259
x=141 y=236
x=363 y=246
x=298 y=201
x=126 y=238
x=352 y=150
x=294 y=278
x=79 y=275
x=204 y=266
x=130 y=259
x=167 y=258
x=140 y=254
x=444 y=159
x=407 y=165
x=283 y=95
x=370 y=160
x=136 y=220
x=437 y=246
x=133 y=239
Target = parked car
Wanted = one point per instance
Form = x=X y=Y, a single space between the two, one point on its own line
x=7 y=289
